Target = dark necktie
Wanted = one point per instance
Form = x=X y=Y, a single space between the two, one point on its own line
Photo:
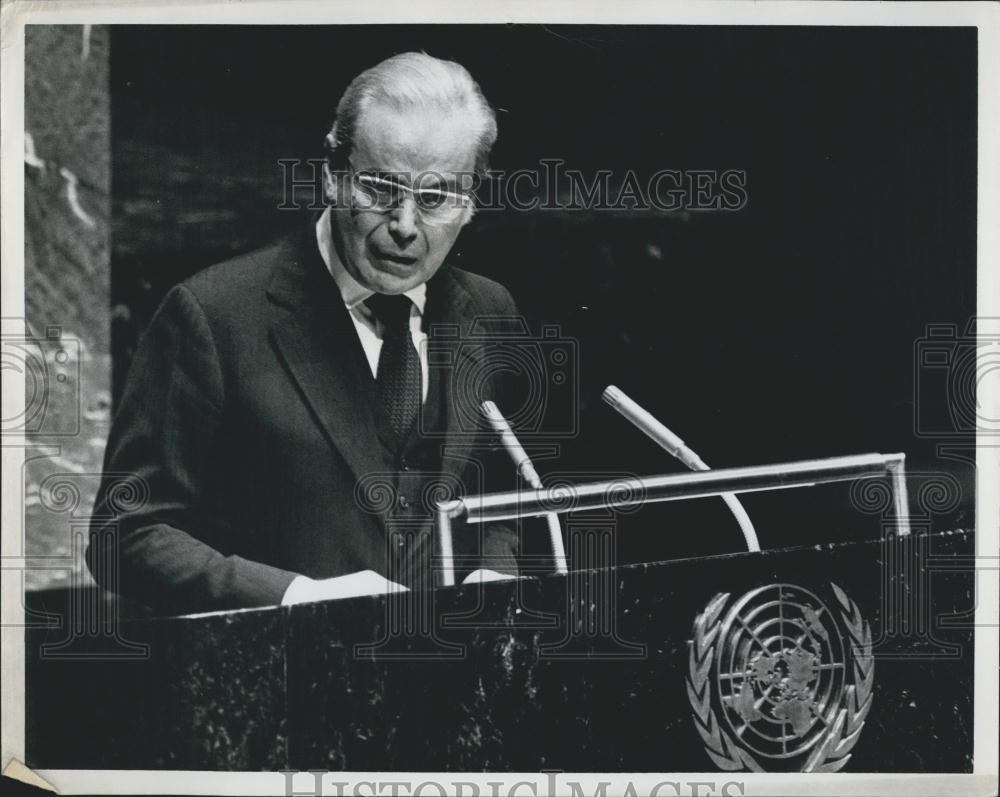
x=398 y=377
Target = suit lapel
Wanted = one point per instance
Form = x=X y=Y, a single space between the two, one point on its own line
x=454 y=344
x=318 y=344
x=316 y=340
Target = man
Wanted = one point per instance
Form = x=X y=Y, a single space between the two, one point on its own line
x=283 y=433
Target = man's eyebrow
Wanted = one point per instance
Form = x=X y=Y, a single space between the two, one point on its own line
x=430 y=180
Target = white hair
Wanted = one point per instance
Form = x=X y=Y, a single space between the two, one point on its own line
x=413 y=81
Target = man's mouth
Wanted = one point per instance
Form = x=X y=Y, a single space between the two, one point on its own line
x=390 y=257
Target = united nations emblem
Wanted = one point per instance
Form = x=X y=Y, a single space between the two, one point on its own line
x=776 y=684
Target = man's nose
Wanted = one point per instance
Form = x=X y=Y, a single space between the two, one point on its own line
x=403 y=221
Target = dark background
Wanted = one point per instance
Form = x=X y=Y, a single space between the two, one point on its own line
x=786 y=330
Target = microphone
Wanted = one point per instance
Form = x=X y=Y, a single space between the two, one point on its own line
x=509 y=440
x=673 y=445
x=648 y=425
x=527 y=472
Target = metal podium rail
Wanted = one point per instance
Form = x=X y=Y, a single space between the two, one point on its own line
x=673 y=487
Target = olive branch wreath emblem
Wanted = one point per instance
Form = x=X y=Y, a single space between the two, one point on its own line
x=833 y=750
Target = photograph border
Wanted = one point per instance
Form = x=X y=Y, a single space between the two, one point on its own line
x=983 y=15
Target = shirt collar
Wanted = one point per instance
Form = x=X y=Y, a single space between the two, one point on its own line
x=351 y=291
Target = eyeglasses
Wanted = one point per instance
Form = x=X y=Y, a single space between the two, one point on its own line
x=379 y=194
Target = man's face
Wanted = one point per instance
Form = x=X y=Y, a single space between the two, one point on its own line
x=393 y=251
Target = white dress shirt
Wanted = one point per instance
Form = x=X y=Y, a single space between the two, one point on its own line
x=369 y=328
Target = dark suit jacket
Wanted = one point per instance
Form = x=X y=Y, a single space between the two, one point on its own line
x=244 y=451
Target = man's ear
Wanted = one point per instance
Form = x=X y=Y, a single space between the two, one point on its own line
x=330 y=188
x=329 y=185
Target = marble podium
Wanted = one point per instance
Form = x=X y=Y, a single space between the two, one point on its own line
x=854 y=656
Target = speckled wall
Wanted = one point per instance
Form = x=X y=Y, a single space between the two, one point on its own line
x=67 y=284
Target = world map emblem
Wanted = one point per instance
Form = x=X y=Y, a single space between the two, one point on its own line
x=779 y=681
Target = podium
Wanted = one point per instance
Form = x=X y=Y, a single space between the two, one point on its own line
x=824 y=657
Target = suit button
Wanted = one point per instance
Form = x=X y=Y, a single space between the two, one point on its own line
x=404 y=465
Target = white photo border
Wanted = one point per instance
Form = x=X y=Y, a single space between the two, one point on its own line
x=985 y=16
